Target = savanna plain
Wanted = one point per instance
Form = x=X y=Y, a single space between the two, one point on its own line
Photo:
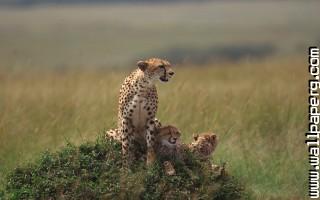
x=257 y=109
x=59 y=83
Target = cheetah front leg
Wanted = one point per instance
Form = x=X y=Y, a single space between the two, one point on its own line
x=169 y=168
x=126 y=131
x=150 y=138
x=157 y=123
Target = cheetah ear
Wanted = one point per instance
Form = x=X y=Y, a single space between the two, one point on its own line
x=213 y=138
x=195 y=137
x=142 y=65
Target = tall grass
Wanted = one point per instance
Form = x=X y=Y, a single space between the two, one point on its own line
x=258 y=110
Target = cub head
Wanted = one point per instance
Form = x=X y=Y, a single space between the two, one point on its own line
x=168 y=136
x=156 y=69
x=204 y=144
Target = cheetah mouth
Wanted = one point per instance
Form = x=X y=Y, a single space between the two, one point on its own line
x=173 y=141
x=164 y=79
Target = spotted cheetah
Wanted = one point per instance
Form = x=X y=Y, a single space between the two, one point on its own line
x=116 y=135
x=168 y=143
x=166 y=140
x=168 y=146
x=138 y=104
x=204 y=145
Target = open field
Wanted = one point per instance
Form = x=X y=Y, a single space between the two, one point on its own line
x=258 y=109
x=238 y=74
x=117 y=34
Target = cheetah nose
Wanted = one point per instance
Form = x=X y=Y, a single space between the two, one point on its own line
x=171 y=73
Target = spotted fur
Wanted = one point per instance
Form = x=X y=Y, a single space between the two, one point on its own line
x=169 y=168
x=204 y=145
x=167 y=141
x=169 y=146
x=116 y=135
x=138 y=104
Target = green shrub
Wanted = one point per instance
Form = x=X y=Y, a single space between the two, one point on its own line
x=93 y=171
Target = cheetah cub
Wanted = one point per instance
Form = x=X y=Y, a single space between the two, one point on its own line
x=167 y=141
x=168 y=146
x=204 y=145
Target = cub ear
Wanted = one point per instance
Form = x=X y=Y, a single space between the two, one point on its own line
x=213 y=138
x=195 y=137
x=178 y=132
x=142 y=65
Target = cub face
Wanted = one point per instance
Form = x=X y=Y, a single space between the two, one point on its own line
x=204 y=145
x=168 y=136
x=156 y=69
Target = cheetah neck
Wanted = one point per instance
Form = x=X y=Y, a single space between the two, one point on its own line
x=143 y=79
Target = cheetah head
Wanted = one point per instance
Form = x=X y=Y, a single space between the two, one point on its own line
x=156 y=69
x=204 y=144
x=168 y=136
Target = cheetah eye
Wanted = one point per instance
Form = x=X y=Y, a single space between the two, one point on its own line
x=161 y=66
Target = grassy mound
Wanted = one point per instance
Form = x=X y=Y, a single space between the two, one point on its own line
x=93 y=171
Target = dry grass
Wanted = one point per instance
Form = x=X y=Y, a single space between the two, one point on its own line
x=258 y=109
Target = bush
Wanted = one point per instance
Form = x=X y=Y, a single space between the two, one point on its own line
x=93 y=171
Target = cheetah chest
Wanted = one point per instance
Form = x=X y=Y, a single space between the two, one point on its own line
x=140 y=114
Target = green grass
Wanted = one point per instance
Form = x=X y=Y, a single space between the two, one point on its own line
x=93 y=171
x=258 y=110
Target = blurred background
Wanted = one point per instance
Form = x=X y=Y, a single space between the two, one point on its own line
x=241 y=71
x=109 y=33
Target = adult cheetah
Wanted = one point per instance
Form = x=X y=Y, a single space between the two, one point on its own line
x=138 y=104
